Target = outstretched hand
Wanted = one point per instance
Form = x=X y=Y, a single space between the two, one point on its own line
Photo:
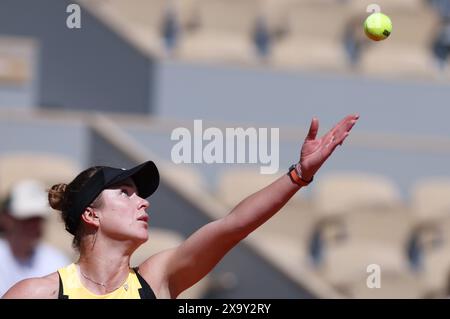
x=316 y=151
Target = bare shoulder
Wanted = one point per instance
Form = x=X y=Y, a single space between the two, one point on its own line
x=154 y=271
x=46 y=287
x=157 y=263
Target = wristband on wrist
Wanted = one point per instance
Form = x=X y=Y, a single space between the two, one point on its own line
x=296 y=176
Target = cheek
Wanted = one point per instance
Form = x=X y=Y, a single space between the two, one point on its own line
x=122 y=213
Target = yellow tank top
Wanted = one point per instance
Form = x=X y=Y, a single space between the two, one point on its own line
x=70 y=286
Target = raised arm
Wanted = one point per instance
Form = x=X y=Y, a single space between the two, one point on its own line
x=197 y=255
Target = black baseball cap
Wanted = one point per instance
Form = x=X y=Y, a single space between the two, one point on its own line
x=145 y=176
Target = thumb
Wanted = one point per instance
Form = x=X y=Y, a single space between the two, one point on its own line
x=313 y=129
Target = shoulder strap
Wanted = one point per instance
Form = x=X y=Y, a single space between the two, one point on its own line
x=61 y=289
x=146 y=291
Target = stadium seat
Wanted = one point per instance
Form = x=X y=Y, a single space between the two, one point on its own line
x=430 y=199
x=188 y=11
x=389 y=6
x=236 y=184
x=436 y=270
x=368 y=224
x=394 y=285
x=147 y=14
x=361 y=191
x=141 y=21
x=390 y=227
x=281 y=249
x=13 y=70
x=310 y=43
x=190 y=176
x=430 y=208
x=216 y=47
x=433 y=252
x=275 y=12
x=223 y=34
x=286 y=235
x=16 y=65
x=362 y=238
x=237 y=16
x=343 y=263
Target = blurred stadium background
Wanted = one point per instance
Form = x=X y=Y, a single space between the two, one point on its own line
x=112 y=92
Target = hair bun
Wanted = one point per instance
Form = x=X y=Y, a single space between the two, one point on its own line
x=57 y=196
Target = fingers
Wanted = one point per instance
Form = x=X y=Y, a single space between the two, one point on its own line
x=342 y=139
x=333 y=142
x=336 y=136
x=313 y=129
x=345 y=121
x=344 y=126
x=340 y=134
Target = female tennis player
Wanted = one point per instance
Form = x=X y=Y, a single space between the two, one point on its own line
x=104 y=209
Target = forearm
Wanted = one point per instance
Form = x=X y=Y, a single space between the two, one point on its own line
x=218 y=237
x=256 y=209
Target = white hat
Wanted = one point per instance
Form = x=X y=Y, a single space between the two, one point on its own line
x=28 y=199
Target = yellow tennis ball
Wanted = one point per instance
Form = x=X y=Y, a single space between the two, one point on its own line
x=378 y=26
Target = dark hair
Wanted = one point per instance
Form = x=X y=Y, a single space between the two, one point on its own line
x=61 y=197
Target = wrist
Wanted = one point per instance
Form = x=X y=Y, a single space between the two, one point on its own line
x=296 y=177
x=308 y=179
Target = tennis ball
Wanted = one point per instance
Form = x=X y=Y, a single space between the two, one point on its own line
x=378 y=26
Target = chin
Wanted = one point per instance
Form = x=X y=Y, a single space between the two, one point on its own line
x=142 y=236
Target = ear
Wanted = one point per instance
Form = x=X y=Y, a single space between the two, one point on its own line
x=90 y=217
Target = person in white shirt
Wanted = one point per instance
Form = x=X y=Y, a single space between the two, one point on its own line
x=22 y=252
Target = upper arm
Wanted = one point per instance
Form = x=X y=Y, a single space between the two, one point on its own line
x=35 y=288
x=173 y=271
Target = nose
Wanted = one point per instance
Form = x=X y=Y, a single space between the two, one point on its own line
x=143 y=203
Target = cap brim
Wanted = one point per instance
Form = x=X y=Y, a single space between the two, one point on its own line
x=145 y=177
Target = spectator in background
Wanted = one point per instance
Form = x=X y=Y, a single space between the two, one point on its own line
x=22 y=255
